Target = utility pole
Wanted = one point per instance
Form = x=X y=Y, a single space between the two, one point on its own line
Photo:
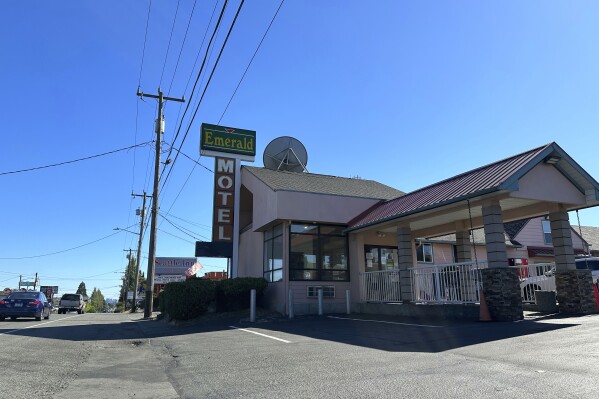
x=127 y=278
x=149 y=302
x=35 y=282
x=20 y=279
x=142 y=215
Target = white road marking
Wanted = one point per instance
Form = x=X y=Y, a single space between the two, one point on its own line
x=262 y=335
x=385 y=322
x=35 y=325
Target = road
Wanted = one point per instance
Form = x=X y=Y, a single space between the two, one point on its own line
x=341 y=356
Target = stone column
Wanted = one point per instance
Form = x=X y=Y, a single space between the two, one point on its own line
x=501 y=285
x=405 y=257
x=464 y=247
x=574 y=287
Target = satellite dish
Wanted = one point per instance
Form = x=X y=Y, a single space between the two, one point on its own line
x=286 y=153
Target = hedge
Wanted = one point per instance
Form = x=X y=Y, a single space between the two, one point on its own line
x=192 y=298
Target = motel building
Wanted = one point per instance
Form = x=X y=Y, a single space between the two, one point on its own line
x=435 y=250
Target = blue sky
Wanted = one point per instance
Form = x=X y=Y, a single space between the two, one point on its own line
x=406 y=93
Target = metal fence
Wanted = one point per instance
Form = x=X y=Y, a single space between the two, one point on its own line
x=450 y=283
x=380 y=286
x=454 y=283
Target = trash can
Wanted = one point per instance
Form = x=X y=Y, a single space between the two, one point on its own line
x=546 y=302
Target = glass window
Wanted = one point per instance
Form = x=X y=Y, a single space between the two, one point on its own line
x=380 y=258
x=317 y=253
x=372 y=259
x=273 y=254
x=424 y=252
x=547 y=232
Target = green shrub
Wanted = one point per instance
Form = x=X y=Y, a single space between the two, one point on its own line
x=188 y=299
x=234 y=294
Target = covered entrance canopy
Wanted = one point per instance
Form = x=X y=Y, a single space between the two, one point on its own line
x=541 y=181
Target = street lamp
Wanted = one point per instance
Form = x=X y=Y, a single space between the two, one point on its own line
x=128 y=231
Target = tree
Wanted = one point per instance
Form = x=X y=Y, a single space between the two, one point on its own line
x=82 y=290
x=128 y=280
x=97 y=303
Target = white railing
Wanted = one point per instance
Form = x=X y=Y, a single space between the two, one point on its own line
x=454 y=283
x=380 y=286
x=449 y=283
x=535 y=277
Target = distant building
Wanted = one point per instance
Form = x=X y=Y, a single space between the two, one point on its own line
x=215 y=275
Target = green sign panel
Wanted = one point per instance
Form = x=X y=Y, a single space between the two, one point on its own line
x=216 y=139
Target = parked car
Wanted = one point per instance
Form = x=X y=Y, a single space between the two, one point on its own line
x=25 y=304
x=589 y=263
x=544 y=280
x=71 y=302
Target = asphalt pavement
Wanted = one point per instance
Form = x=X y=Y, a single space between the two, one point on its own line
x=334 y=356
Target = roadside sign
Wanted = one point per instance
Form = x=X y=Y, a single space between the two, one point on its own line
x=168 y=278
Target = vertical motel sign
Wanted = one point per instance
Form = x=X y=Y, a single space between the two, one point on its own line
x=224 y=199
x=228 y=146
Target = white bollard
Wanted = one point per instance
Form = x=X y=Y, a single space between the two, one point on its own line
x=253 y=305
x=320 y=301
x=290 y=303
x=347 y=302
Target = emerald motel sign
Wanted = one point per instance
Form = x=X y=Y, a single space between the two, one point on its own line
x=227 y=141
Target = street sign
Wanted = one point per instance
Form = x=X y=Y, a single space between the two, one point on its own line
x=27 y=283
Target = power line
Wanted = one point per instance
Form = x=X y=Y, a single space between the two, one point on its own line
x=180 y=238
x=182 y=46
x=144 y=47
x=169 y=42
x=75 y=160
x=188 y=221
x=220 y=17
x=205 y=89
x=194 y=64
x=64 y=250
x=193 y=160
x=251 y=60
x=183 y=229
x=229 y=103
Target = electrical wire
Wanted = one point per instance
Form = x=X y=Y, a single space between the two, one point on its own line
x=203 y=226
x=180 y=238
x=230 y=100
x=183 y=230
x=182 y=46
x=251 y=60
x=220 y=17
x=205 y=89
x=75 y=160
x=144 y=47
x=169 y=41
x=64 y=250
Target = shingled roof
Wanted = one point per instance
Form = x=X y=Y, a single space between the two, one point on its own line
x=497 y=176
x=323 y=184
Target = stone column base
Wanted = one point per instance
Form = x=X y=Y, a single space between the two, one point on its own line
x=575 y=292
x=501 y=287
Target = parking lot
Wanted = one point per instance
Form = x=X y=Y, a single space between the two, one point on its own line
x=334 y=356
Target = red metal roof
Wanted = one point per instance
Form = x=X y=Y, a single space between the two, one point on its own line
x=466 y=185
